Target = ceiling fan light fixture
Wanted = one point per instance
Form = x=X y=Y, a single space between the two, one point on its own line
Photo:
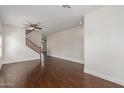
x=31 y=28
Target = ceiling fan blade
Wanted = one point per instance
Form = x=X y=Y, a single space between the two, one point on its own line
x=35 y=25
x=38 y=27
x=28 y=26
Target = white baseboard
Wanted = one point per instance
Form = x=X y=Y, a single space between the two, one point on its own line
x=120 y=82
x=77 y=61
x=19 y=60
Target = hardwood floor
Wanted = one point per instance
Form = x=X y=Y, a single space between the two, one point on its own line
x=56 y=73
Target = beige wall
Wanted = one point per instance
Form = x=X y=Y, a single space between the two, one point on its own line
x=67 y=44
x=35 y=37
x=104 y=43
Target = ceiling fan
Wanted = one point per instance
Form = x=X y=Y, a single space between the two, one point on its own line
x=31 y=26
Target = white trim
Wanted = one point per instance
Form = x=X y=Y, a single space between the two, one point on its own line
x=76 y=61
x=20 y=60
x=120 y=82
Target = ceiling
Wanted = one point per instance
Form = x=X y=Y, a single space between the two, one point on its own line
x=53 y=17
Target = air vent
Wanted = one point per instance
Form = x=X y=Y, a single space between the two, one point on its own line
x=66 y=6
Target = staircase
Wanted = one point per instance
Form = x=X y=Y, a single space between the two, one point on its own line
x=31 y=44
x=39 y=47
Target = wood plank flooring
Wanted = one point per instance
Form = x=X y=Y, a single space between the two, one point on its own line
x=56 y=73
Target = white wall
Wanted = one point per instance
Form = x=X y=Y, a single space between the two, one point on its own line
x=35 y=37
x=0 y=45
x=104 y=43
x=67 y=44
x=14 y=48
